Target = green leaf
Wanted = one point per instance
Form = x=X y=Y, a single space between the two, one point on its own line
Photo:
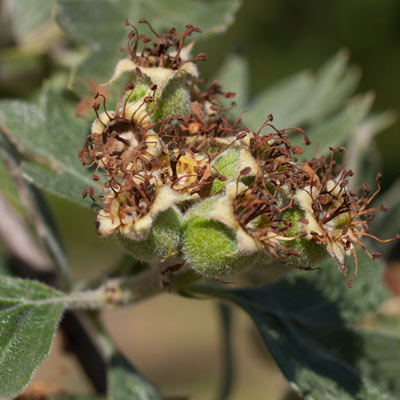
x=278 y=100
x=363 y=155
x=293 y=315
x=29 y=312
x=52 y=135
x=99 y=24
x=31 y=19
x=124 y=382
x=9 y=188
x=4 y=267
x=234 y=76
x=35 y=202
x=304 y=98
x=339 y=128
x=386 y=225
x=374 y=353
x=332 y=85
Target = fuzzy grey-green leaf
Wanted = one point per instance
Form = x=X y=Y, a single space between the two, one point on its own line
x=52 y=135
x=339 y=128
x=29 y=312
x=125 y=383
x=234 y=77
x=305 y=98
x=293 y=326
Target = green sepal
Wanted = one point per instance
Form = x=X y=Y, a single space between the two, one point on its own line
x=174 y=100
x=142 y=89
x=163 y=238
x=210 y=247
x=226 y=164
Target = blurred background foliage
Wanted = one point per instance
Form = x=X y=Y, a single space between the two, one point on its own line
x=278 y=38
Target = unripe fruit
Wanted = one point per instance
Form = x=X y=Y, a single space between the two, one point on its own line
x=226 y=164
x=212 y=248
x=309 y=252
x=231 y=163
x=174 y=100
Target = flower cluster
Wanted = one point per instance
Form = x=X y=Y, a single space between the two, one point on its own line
x=177 y=177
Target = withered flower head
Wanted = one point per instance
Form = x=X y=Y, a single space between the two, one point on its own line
x=162 y=59
x=163 y=50
x=336 y=217
x=177 y=177
x=123 y=140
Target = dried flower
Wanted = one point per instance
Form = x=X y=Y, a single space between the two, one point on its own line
x=178 y=177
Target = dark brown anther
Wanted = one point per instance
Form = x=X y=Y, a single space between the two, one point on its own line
x=144 y=21
x=192 y=28
x=245 y=171
x=376 y=255
x=366 y=188
x=145 y=39
x=84 y=193
x=297 y=150
x=153 y=87
x=241 y=135
x=201 y=56
x=307 y=140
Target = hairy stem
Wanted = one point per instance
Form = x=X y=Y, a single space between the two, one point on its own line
x=129 y=290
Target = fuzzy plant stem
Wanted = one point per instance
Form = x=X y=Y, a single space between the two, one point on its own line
x=129 y=290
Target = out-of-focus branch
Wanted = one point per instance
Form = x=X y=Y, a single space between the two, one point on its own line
x=81 y=340
x=19 y=242
x=225 y=313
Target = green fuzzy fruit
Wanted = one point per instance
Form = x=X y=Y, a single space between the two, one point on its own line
x=209 y=246
x=226 y=164
x=162 y=241
x=311 y=253
x=142 y=89
x=174 y=100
